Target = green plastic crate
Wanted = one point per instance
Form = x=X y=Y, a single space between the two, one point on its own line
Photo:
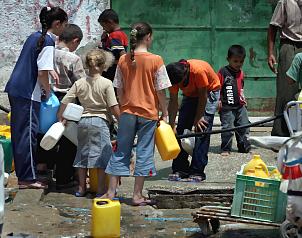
x=258 y=199
x=8 y=154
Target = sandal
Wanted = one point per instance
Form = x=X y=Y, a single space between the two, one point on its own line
x=80 y=194
x=32 y=185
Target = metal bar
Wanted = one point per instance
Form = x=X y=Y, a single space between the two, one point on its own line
x=216 y=207
x=221 y=28
x=204 y=213
x=231 y=219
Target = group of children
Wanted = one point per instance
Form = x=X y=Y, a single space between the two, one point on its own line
x=140 y=79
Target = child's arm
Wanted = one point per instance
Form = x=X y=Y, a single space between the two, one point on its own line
x=115 y=110
x=172 y=109
x=199 y=122
x=161 y=94
x=221 y=79
x=45 y=64
x=69 y=97
x=60 y=112
x=44 y=81
x=112 y=101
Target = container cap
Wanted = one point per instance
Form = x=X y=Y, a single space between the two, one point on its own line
x=256 y=157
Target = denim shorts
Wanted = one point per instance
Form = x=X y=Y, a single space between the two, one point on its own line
x=129 y=126
x=94 y=145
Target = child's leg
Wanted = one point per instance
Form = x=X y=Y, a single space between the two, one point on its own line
x=102 y=188
x=138 y=189
x=82 y=180
x=24 y=129
x=244 y=146
x=119 y=163
x=113 y=183
x=227 y=121
x=144 y=157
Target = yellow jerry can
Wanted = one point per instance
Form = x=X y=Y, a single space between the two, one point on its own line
x=166 y=141
x=93 y=180
x=106 y=218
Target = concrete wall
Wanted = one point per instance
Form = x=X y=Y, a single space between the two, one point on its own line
x=19 y=18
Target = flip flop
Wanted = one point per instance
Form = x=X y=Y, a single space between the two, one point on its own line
x=79 y=194
x=98 y=195
x=32 y=185
x=145 y=202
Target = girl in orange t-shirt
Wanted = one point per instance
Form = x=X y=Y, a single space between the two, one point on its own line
x=141 y=79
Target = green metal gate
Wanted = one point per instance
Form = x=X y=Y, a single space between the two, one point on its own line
x=204 y=29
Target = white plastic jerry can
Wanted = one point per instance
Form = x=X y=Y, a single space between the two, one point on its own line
x=52 y=136
x=73 y=112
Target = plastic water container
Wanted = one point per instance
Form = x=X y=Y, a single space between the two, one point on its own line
x=253 y=163
x=5 y=131
x=2 y=198
x=48 y=112
x=166 y=142
x=73 y=112
x=52 y=136
x=71 y=132
x=188 y=144
x=93 y=180
x=8 y=153
x=105 y=221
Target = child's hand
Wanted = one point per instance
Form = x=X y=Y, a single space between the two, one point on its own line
x=164 y=118
x=201 y=125
x=114 y=145
x=64 y=122
x=61 y=118
x=219 y=106
x=55 y=76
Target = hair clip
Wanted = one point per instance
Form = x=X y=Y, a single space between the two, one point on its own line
x=133 y=32
x=183 y=61
x=48 y=9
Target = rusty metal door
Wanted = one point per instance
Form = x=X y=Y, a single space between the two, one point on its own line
x=204 y=30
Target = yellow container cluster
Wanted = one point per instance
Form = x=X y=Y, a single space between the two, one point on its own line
x=257 y=168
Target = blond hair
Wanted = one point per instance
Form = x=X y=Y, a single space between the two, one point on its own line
x=99 y=59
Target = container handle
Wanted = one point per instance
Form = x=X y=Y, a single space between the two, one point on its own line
x=102 y=201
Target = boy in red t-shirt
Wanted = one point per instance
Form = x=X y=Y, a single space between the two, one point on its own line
x=113 y=39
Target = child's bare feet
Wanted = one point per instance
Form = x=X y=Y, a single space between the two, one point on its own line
x=132 y=166
x=225 y=153
x=142 y=201
x=108 y=196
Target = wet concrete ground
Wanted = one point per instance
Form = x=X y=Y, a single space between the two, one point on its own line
x=60 y=214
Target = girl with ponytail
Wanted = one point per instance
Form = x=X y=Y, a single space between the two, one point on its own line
x=28 y=79
x=141 y=79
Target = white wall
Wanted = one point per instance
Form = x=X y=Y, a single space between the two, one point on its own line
x=19 y=18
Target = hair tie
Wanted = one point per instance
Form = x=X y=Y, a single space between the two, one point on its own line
x=133 y=32
x=183 y=61
x=48 y=9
